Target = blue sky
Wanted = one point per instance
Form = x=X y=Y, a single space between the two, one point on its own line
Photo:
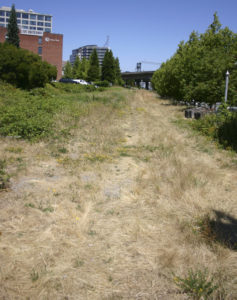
x=147 y=30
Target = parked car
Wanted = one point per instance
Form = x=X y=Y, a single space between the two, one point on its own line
x=67 y=80
x=81 y=81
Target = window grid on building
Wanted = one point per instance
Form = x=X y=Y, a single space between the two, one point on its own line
x=30 y=18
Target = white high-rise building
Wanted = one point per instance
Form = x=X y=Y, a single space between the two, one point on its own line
x=29 y=22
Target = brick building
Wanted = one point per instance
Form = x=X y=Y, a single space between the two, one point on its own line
x=36 y=37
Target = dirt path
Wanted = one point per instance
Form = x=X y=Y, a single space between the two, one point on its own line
x=120 y=212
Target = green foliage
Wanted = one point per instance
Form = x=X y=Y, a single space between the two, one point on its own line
x=12 y=29
x=76 y=69
x=93 y=73
x=103 y=83
x=108 y=67
x=36 y=114
x=197 y=284
x=68 y=72
x=4 y=177
x=197 y=69
x=23 y=68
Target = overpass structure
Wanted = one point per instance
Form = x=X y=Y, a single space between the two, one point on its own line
x=137 y=78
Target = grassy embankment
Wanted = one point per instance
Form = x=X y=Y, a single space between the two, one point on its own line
x=112 y=200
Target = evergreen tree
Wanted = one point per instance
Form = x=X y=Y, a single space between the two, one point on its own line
x=68 y=70
x=12 y=29
x=118 y=78
x=94 y=67
x=76 y=69
x=108 y=67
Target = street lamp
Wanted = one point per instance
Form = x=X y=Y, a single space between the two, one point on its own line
x=226 y=84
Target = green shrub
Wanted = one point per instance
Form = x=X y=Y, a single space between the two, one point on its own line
x=221 y=126
x=23 y=68
x=103 y=83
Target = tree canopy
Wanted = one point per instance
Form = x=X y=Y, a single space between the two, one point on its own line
x=23 y=68
x=94 y=67
x=197 y=69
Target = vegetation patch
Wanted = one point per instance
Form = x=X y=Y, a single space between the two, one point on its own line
x=4 y=176
x=197 y=284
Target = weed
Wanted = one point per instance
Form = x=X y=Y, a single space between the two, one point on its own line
x=197 y=284
x=16 y=150
x=62 y=150
x=93 y=157
x=4 y=177
x=34 y=275
x=30 y=205
x=78 y=263
x=46 y=209
x=92 y=232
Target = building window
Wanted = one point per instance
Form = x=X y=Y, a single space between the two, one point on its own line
x=24 y=27
x=32 y=28
x=40 y=40
x=40 y=50
x=40 y=23
x=18 y=15
x=7 y=20
x=2 y=19
x=33 y=17
x=47 y=30
x=18 y=21
x=25 y=22
x=32 y=23
x=47 y=18
x=48 y=24
x=41 y=18
x=25 y=16
x=40 y=28
x=2 y=13
x=8 y=13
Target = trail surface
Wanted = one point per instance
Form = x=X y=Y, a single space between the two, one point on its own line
x=120 y=212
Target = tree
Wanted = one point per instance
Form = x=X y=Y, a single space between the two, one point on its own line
x=76 y=69
x=12 y=29
x=84 y=68
x=197 y=69
x=67 y=70
x=23 y=68
x=118 y=78
x=108 y=67
x=94 y=67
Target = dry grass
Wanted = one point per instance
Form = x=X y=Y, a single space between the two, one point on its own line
x=118 y=210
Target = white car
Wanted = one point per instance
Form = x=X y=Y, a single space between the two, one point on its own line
x=80 y=81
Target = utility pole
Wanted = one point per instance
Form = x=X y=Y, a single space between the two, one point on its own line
x=226 y=84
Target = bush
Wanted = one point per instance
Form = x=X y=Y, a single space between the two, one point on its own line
x=221 y=126
x=103 y=83
x=24 y=69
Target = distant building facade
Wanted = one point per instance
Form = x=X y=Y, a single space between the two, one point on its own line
x=86 y=51
x=29 y=22
x=35 y=35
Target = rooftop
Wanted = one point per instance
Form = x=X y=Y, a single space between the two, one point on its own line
x=6 y=8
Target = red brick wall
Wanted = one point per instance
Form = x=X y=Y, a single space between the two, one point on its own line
x=52 y=47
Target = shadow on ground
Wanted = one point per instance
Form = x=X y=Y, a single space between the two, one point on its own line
x=224 y=228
